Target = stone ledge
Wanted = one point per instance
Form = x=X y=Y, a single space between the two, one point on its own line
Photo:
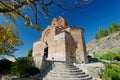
x=92 y=68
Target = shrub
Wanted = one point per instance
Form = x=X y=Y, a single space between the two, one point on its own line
x=30 y=52
x=33 y=70
x=73 y=56
x=112 y=71
x=22 y=67
x=5 y=66
x=117 y=57
x=96 y=55
x=110 y=55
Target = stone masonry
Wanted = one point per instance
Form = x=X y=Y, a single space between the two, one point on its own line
x=60 y=41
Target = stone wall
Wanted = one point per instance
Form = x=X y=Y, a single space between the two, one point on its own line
x=78 y=36
x=57 y=48
x=37 y=60
x=93 y=69
x=38 y=48
x=70 y=47
x=41 y=63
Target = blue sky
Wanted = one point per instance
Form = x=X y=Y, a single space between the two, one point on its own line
x=97 y=14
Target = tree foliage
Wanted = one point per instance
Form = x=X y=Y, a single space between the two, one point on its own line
x=110 y=55
x=9 y=39
x=113 y=28
x=18 y=8
x=112 y=71
x=103 y=32
x=30 y=52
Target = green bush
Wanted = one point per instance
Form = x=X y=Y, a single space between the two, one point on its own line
x=110 y=55
x=73 y=56
x=96 y=55
x=112 y=71
x=22 y=67
x=30 y=52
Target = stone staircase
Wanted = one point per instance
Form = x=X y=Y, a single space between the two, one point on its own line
x=63 y=71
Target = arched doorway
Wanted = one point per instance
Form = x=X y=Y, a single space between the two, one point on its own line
x=46 y=50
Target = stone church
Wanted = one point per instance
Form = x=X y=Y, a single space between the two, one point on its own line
x=61 y=42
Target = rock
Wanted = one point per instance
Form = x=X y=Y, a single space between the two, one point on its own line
x=111 y=42
x=4 y=77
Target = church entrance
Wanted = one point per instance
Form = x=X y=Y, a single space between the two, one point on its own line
x=46 y=52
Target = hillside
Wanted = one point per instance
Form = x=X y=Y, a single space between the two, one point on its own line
x=111 y=42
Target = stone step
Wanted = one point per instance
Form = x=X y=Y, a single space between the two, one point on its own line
x=65 y=70
x=62 y=71
x=59 y=63
x=68 y=67
x=56 y=78
x=68 y=76
x=67 y=73
x=64 y=66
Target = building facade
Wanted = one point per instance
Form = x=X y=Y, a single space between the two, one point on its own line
x=61 y=42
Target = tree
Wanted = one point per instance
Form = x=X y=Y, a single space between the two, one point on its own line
x=113 y=28
x=30 y=52
x=9 y=39
x=18 y=8
x=103 y=32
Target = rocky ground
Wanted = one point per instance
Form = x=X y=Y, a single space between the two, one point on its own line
x=111 y=42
